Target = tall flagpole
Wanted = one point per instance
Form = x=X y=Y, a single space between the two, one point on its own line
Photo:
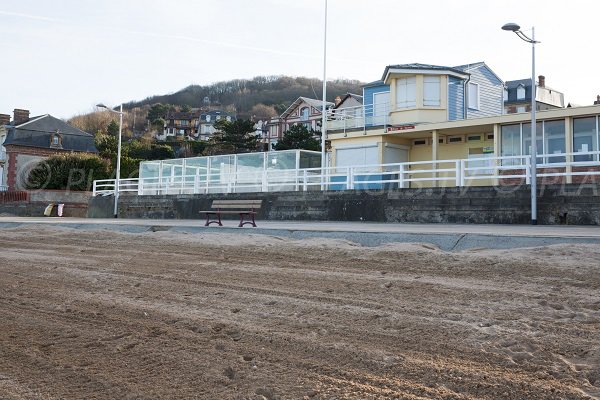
x=324 y=107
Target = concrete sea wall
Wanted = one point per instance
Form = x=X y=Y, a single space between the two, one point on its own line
x=560 y=204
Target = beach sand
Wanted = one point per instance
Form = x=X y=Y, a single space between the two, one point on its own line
x=103 y=315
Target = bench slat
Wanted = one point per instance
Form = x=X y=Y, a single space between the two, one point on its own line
x=229 y=206
x=236 y=202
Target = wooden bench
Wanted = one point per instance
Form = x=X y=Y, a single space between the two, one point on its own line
x=245 y=208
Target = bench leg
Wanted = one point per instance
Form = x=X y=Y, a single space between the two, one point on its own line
x=217 y=221
x=242 y=222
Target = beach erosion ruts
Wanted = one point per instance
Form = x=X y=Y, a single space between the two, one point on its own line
x=98 y=314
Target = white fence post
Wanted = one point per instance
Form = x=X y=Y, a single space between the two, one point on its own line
x=350 y=178
x=401 y=177
x=528 y=170
x=461 y=172
x=457 y=174
x=304 y=180
x=265 y=184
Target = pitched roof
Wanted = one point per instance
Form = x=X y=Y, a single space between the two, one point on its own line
x=418 y=66
x=347 y=96
x=317 y=104
x=378 y=82
x=37 y=132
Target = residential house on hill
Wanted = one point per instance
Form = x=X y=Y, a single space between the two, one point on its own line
x=517 y=96
x=304 y=110
x=206 y=123
x=26 y=141
x=197 y=124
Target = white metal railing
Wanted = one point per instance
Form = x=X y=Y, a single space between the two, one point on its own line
x=359 y=117
x=458 y=172
x=3 y=188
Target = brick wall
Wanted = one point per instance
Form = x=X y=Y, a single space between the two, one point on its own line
x=21 y=158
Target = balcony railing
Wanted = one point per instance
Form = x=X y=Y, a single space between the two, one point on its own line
x=359 y=117
x=507 y=170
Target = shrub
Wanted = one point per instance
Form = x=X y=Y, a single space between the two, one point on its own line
x=68 y=172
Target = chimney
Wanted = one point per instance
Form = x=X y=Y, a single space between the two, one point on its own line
x=597 y=102
x=20 y=116
x=338 y=100
x=4 y=119
x=541 y=81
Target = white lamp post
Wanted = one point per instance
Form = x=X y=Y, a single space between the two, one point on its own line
x=517 y=30
x=118 y=173
x=324 y=106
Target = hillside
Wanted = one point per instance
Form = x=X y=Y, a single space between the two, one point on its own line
x=241 y=95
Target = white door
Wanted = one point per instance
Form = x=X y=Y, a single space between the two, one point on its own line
x=357 y=156
x=394 y=155
x=381 y=105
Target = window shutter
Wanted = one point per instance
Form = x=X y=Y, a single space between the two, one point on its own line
x=431 y=91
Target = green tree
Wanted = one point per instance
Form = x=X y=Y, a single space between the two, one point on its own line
x=113 y=128
x=298 y=137
x=157 y=111
x=233 y=137
x=148 y=151
x=106 y=145
x=186 y=108
x=68 y=172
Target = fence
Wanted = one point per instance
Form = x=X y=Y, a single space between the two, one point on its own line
x=12 y=196
x=359 y=117
x=485 y=171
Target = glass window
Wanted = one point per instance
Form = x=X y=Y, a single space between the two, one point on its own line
x=505 y=95
x=527 y=140
x=554 y=140
x=304 y=113
x=473 y=96
x=431 y=91
x=511 y=143
x=520 y=92
x=585 y=138
x=406 y=92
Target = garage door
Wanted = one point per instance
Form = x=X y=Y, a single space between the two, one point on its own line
x=357 y=156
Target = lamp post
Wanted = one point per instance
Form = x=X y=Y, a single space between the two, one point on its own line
x=118 y=173
x=517 y=30
x=324 y=106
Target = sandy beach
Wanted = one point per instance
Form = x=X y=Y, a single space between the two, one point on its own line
x=95 y=314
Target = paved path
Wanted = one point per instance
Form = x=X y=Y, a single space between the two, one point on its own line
x=326 y=226
x=449 y=237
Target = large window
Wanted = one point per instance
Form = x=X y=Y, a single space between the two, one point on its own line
x=511 y=143
x=554 y=141
x=516 y=141
x=406 y=92
x=431 y=91
x=520 y=92
x=527 y=140
x=585 y=138
x=473 y=96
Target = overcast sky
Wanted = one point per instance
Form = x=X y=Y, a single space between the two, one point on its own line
x=63 y=56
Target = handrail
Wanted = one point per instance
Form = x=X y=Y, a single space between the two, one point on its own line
x=459 y=171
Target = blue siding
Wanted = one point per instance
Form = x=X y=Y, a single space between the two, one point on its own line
x=456 y=104
x=491 y=90
x=368 y=93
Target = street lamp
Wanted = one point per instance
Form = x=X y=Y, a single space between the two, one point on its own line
x=118 y=174
x=517 y=30
x=324 y=106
